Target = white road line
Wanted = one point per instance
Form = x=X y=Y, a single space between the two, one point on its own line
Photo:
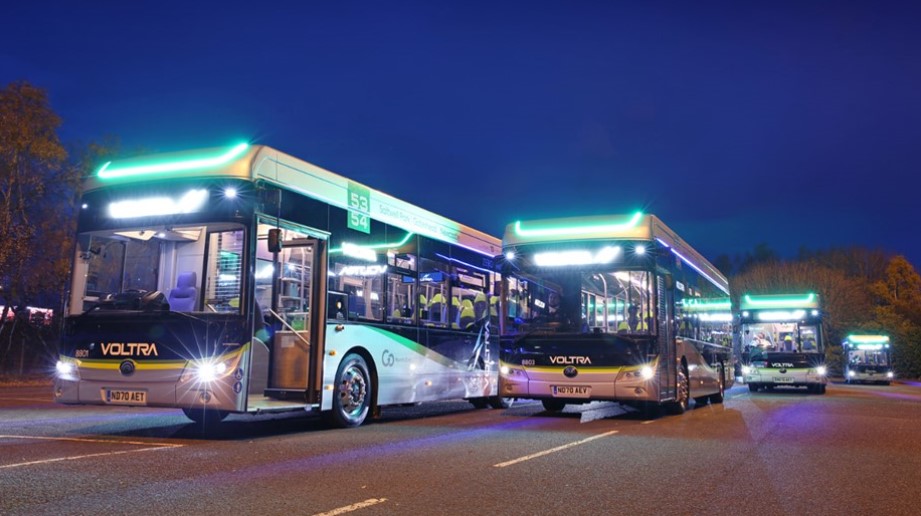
x=151 y=447
x=648 y=422
x=354 y=507
x=552 y=450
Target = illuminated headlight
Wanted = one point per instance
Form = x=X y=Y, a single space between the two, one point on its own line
x=821 y=370
x=66 y=370
x=504 y=370
x=851 y=373
x=644 y=373
x=205 y=371
x=890 y=374
x=210 y=372
x=747 y=369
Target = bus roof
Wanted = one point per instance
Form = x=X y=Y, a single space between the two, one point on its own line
x=259 y=162
x=638 y=226
x=779 y=301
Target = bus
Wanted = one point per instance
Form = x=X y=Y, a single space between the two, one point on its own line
x=608 y=308
x=867 y=359
x=784 y=345
x=245 y=280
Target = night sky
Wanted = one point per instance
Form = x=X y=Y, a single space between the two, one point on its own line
x=738 y=123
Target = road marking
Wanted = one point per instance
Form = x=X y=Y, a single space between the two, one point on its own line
x=648 y=422
x=552 y=450
x=354 y=507
x=150 y=447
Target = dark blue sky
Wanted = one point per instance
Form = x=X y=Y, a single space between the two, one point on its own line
x=789 y=123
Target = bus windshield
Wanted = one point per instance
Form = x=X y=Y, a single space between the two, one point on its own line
x=581 y=302
x=197 y=268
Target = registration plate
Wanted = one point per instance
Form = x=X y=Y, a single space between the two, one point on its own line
x=571 y=391
x=124 y=397
x=783 y=379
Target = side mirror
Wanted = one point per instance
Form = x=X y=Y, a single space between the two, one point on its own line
x=274 y=240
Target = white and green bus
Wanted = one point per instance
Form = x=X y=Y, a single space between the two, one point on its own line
x=783 y=342
x=611 y=308
x=244 y=280
x=867 y=359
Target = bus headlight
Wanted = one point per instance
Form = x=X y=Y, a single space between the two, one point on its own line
x=821 y=370
x=747 y=369
x=66 y=370
x=890 y=374
x=851 y=374
x=647 y=372
x=207 y=370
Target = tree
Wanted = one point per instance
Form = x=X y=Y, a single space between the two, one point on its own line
x=898 y=313
x=37 y=189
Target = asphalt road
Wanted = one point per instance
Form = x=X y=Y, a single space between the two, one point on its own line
x=855 y=450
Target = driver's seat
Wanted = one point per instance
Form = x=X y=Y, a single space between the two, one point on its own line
x=183 y=297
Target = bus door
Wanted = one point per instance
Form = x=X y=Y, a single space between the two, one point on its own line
x=665 y=300
x=298 y=317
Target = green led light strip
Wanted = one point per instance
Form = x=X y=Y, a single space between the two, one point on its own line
x=703 y=305
x=172 y=166
x=378 y=246
x=780 y=301
x=577 y=230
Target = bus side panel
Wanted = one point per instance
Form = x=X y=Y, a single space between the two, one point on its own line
x=456 y=365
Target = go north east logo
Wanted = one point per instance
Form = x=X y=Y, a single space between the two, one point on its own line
x=129 y=349
x=570 y=360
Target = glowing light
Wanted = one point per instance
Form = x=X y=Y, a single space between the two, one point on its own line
x=698 y=269
x=363 y=270
x=868 y=339
x=604 y=255
x=191 y=202
x=578 y=230
x=716 y=317
x=389 y=245
x=230 y=192
x=782 y=315
x=806 y=301
x=647 y=372
x=173 y=166
x=695 y=305
x=640 y=250
x=510 y=255
x=357 y=251
x=821 y=370
x=65 y=369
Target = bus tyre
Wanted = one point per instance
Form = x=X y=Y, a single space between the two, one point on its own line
x=479 y=403
x=682 y=395
x=753 y=387
x=207 y=418
x=553 y=405
x=498 y=402
x=352 y=397
x=718 y=397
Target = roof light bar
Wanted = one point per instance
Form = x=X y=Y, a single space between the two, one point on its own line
x=577 y=230
x=172 y=166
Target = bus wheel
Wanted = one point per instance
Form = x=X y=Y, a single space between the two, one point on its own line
x=718 y=397
x=478 y=402
x=352 y=397
x=205 y=417
x=553 y=405
x=753 y=387
x=680 y=405
x=498 y=402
